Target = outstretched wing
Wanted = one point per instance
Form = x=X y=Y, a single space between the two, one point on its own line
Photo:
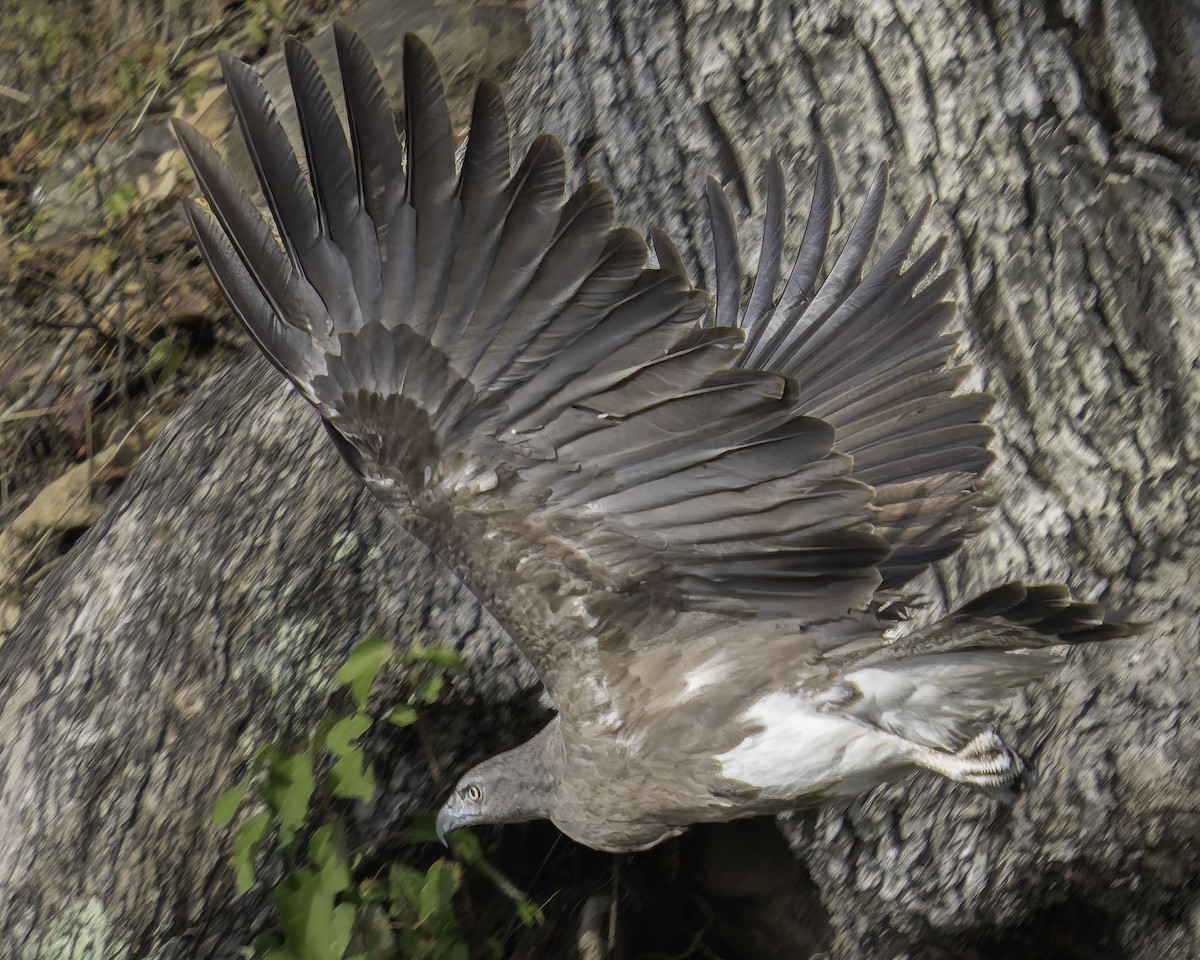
x=871 y=356
x=501 y=368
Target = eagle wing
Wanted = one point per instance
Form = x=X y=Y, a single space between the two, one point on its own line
x=870 y=355
x=546 y=413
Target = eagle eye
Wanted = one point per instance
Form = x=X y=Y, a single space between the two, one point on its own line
x=474 y=794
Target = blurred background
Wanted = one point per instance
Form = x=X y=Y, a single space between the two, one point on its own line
x=108 y=318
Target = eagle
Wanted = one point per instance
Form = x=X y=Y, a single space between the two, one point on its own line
x=695 y=516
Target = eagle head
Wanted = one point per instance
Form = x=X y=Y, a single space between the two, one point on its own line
x=520 y=784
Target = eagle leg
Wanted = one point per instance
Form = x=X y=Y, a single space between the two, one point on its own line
x=985 y=762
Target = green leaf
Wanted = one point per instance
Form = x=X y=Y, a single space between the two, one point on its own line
x=269 y=948
x=351 y=777
x=423 y=828
x=374 y=932
x=158 y=355
x=120 y=201
x=327 y=851
x=361 y=667
x=342 y=929
x=529 y=913
x=444 y=657
x=102 y=258
x=165 y=358
x=451 y=948
x=314 y=925
x=431 y=689
x=441 y=881
x=264 y=755
x=286 y=847
x=321 y=737
x=466 y=847
x=404 y=886
x=245 y=844
x=289 y=788
x=226 y=807
x=402 y=715
x=344 y=731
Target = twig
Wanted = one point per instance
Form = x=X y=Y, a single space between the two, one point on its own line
x=614 y=899
x=14 y=94
x=150 y=98
x=69 y=338
x=32 y=414
x=22 y=402
x=200 y=33
x=435 y=768
x=51 y=282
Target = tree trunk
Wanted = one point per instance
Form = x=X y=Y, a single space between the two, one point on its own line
x=206 y=611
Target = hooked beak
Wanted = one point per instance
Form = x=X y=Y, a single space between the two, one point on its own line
x=446 y=821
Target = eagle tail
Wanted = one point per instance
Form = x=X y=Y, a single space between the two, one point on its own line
x=1048 y=612
x=942 y=686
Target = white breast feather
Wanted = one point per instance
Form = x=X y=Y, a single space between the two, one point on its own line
x=801 y=751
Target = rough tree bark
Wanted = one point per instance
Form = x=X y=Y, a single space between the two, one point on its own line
x=206 y=609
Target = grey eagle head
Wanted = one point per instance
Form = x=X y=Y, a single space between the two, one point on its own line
x=515 y=786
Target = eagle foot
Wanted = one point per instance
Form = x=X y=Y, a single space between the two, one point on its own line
x=985 y=762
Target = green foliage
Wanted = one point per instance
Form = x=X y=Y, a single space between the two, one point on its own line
x=351 y=778
x=102 y=258
x=193 y=85
x=360 y=670
x=164 y=358
x=226 y=807
x=120 y=199
x=143 y=68
x=402 y=715
x=246 y=842
x=334 y=903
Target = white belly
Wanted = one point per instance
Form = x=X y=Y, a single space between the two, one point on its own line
x=801 y=751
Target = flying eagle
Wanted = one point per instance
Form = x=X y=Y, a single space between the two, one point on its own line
x=692 y=516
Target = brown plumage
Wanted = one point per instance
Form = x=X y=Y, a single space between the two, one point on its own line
x=689 y=520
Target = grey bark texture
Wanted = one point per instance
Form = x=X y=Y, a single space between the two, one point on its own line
x=205 y=612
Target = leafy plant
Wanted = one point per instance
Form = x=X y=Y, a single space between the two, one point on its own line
x=142 y=68
x=195 y=84
x=164 y=358
x=334 y=903
x=120 y=199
